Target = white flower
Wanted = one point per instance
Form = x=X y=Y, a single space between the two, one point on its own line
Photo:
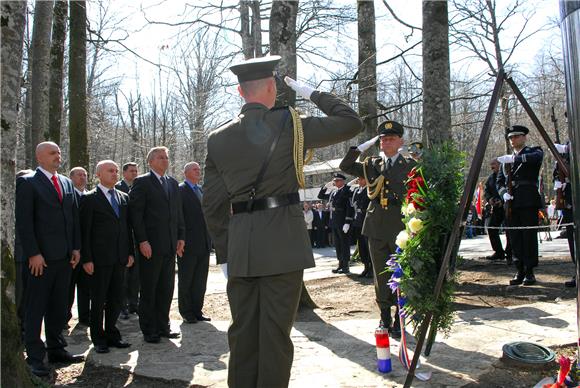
x=401 y=239
x=411 y=209
x=415 y=225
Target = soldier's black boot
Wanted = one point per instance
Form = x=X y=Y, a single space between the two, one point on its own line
x=529 y=279
x=385 y=318
x=519 y=277
x=395 y=331
x=365 y=271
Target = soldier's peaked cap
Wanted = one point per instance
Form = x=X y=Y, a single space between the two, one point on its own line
x=256 y=68
x=338 y=176
x=515 y=130
x=390 y=128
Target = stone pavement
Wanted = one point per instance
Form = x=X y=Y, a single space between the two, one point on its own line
x=342 y=353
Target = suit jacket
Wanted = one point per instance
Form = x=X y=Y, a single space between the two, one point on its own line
x=155 y=217
x=383 y=223
x=123 y=186
x=45 y=225
x=320 y=223
x=197 y=239
x=525 y=172
x=339 y=203
x=271 y=241
x=358 y=206
x=106 y=238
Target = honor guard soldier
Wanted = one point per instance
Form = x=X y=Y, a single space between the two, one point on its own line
x=339 y=204
x=359 y=204
x=252 y=174
x=517 y=183
x=563 y=185
x=385 y=178
x=497 y=214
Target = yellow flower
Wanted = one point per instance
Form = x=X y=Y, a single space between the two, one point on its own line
x=415 y=225
x=401 y=239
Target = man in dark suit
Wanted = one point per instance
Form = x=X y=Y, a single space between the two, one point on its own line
x=194 y=264
x=497 y=213
x=48 y=227
x=157 y=219
x=79 y=281
x=107 y=248
x=339 y=202
x=358 y=210
x=386 y=176
x=130 y=304
x=257 y=224
x=320 y=225
x=524 y=198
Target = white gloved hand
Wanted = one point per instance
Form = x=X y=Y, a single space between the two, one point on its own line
x=367 y=144
x=506 y=159
x=225 y=269
x=302 y=90
x=507 y=197
x=345 y=228
x=562 y=148
x=557 y=185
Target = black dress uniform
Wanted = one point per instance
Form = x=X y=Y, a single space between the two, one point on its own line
x=358 y=209
x=524 y=206
x=496 y=216
x=320 y=224
x=339 y=204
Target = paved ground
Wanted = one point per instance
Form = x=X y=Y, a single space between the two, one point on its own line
x=342 y=353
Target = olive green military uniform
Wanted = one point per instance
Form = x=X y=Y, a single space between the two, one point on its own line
x=383 y=220
x=266 y=250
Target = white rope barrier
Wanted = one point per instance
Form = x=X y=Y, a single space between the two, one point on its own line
x=552 y=228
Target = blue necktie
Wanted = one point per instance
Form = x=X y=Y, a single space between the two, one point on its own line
x=165 y=186
x=197 y=191
x=114 y=202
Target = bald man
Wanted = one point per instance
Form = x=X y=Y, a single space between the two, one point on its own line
x=107 y=250
x=48 y=227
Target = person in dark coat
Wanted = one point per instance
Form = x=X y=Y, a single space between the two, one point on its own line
x=130 y=304
x=107 y=249
x=524 y=199
x=320 y=226
x=47 y=224
x=194 y=264
x=496 y=213
x=157 y=219
x=358 y=209
x=340 y=220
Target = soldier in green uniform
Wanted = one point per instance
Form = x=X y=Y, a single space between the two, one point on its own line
x=254 y=216
x=386 y=176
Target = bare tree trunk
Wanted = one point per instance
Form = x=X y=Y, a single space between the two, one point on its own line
x=27 y=124
x=78 y=145
x=250 y=29
x=283 y=42
x=367 y=68
x=40 y=69
x=14 y=371
x=56 y=69
x=436 y=101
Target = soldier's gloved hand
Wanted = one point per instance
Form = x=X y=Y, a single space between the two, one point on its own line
x=367 y=144
x=508 y=197
x=557 y=185
x=562 y=148
x=345 y=228
x=302 y=90
x=506 y=159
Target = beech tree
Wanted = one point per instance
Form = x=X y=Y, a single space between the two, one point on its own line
x=59 y=28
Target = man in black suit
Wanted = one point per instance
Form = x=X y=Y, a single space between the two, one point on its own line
x=358 y=210
x=194 y=264
x=130 y=304
x=157 y=219
x=339 y=201
x=79 y=281
x=48 y=227
x=320 y=225
x=497 y=213
x=107 y=249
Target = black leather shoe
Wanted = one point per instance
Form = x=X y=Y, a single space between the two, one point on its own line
x=65 y=357
x=190 y=320
x=363 y=273
x=336 y=270
x=570 y=283
x=101 y=349
x=170 y=334
x=517 y=280
x=203 y=318
x=345 y=271
x=529 y=280
x=39 y=370
x=120 y=344
x=151 y=338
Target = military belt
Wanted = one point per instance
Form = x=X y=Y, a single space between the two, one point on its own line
x=522 y=182
x=266 y=203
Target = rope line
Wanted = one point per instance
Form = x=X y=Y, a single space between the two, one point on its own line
x=552 y=228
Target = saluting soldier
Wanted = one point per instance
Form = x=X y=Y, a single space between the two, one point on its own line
x=251 y=173
x=524 y=199
x=386 y=190
x=358 y=209
x=340 y=220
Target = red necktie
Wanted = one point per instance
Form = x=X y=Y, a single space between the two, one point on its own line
x=57 y=187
